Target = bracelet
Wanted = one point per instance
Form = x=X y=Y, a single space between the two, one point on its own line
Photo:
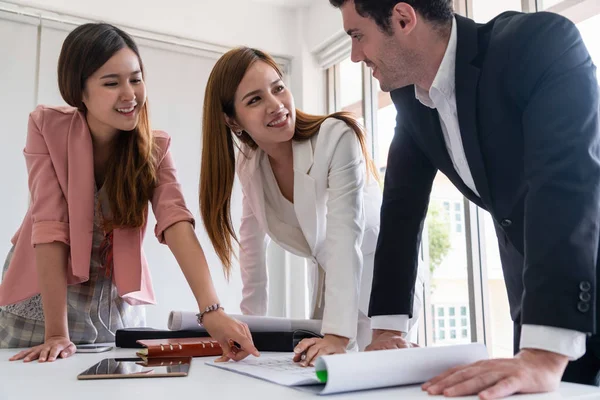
x=213 y=307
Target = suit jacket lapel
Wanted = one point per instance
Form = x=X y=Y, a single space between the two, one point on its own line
x=252 y=184
x=305 y=191
x=467 y=80
x=80 y=192
x=429 y=136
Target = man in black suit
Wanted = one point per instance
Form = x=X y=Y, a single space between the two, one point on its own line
x=509 y=112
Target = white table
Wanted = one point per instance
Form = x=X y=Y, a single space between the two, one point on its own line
x=58 y=380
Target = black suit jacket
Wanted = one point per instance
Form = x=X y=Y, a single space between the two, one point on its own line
x=527 y=101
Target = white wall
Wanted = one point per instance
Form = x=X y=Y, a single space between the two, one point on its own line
x=18 y=80
x=321 y=23
x=229 y=22
x=316 y=27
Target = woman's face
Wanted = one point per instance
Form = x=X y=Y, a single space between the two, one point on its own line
x=264 y=107
x=115 y=94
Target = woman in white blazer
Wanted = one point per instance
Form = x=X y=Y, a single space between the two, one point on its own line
x=308 y=183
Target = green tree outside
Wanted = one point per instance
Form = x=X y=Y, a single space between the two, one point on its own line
x=438 y=227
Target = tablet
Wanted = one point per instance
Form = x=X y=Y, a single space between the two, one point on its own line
x=92 y=348
x=120 y=368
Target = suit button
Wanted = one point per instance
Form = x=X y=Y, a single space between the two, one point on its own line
x=506 y=222
x=585 y=297
x=583 y=307
x=585 y=286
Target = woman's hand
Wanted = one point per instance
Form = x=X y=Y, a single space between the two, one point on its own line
x=227 y=330
x=50 y=350
x=308 y=350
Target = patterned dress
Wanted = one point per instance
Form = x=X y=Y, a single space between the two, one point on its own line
x=95 y=310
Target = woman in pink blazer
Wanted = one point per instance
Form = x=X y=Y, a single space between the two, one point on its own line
x=76 y=270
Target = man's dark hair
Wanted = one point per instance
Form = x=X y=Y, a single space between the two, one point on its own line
x=436 y=11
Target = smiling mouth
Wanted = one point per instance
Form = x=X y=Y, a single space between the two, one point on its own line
x=279 y=121
x=127 y=111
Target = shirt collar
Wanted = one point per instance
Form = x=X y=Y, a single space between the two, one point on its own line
x=444 y=81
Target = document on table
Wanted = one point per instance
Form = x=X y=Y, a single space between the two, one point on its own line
x=358 y=371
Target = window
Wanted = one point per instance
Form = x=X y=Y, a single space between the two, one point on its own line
x=447 y=325
x=590 y=32
x=351 y=88
x=346 y=88
x=500 y=336
x=546 y=4
x=456 y=218
x=485 y=10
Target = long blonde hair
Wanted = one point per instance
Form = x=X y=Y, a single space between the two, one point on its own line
x=218 y=153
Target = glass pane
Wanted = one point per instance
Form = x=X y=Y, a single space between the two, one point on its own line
x=447 y=254
x=441 y=323
x=453 y=334
x=464 y=333
x=386 y=124
x=463 y=311
x=463 y=322
x=485 y=10
x=546 y=4
x=590 y=32
x=443 y=238
x=351 y=88
x=500 y=339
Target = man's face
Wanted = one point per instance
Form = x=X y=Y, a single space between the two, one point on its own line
x=384 y=52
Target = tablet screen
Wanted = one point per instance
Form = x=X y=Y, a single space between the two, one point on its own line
x=118 y=368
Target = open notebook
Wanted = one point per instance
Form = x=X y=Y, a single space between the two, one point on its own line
x=358 y=371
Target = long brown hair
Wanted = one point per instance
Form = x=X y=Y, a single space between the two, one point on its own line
x=218 y=156
x=131 y=169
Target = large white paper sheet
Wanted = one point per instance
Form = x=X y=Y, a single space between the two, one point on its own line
x=359 y=371
x=186 y=320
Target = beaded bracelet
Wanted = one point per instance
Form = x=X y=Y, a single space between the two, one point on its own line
x=213 y=307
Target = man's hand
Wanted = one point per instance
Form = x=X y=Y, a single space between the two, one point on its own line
x=386 y=340
x=531 y=371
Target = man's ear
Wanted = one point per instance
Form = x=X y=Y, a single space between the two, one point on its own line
x=404 y=17
x=232 y=123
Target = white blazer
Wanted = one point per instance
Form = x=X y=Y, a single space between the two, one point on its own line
x=338 y=211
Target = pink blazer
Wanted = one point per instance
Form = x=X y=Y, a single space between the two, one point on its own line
x=59 y=159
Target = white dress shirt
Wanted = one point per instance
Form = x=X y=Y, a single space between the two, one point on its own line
x=442 y=96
